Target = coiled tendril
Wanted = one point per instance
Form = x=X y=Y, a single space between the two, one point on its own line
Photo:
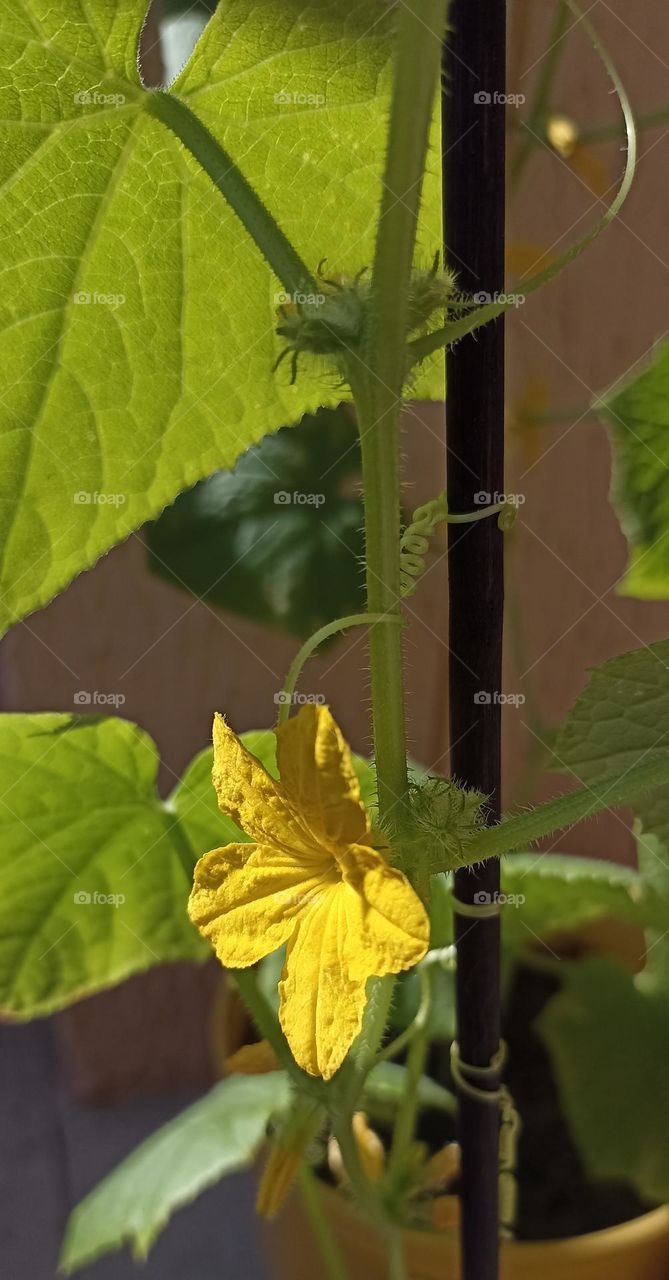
x=415 y=541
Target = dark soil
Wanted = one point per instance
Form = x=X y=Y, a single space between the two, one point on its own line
x=556 y=1198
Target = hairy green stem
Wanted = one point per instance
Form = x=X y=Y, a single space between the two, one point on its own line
x=361 y=1186
x=405 y=1121
x=310 y=645
x=377 y=382
x=230 y=181
x=521 y=831
x=377 y=378
x=265 y=1020
x=334 y=1265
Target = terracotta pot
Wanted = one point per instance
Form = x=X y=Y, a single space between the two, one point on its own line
x=637 y=1250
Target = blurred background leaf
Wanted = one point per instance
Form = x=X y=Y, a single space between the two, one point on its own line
x=638 y=418
x=280 y=538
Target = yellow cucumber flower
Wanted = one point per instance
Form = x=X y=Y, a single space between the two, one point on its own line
x=312 y=879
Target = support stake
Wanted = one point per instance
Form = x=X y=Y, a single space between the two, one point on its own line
x=473 y=152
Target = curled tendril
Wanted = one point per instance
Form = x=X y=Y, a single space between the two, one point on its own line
x=415 y=541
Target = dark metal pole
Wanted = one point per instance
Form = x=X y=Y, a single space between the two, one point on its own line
x=473 y=148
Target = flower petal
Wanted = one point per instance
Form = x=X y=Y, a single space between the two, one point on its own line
x=317 y=773
x=321 y=1005
x=247 y=898
x=253 y=1060
x=385 y=914
x=249 y=795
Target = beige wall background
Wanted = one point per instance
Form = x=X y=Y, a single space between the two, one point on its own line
x=176 y=660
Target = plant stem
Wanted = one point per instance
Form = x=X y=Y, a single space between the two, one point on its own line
x=608 y=132
x=310 y=645
x=240 y=195
x=377 y=380
x=405 y=1121
x=360 y=1184
x=395 y=1245
x=540 y=104
x=379 y=440
x=608 y=793
x=266 y=1022
x=474 y=155
x=335 y=1267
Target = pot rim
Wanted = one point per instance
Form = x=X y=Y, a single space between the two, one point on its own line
x=618 y=1239
x=624 y=1237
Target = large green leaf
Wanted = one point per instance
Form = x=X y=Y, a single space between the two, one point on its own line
x=280 y=538
x=638 y=416
x=622 y=720
x=94 y=870
x=609 y=1044
x=551 y=893
x=218 y=1135
x=137 y=316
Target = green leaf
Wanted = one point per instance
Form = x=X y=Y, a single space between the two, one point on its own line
x=620 y=723
x=407 y=998
x=137 y=316
x=279 y=539
x=385 y=1089
x=94 y=870
x=551 y=893
x=638 y=418
x=218 y=1135
x=609 y=1044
